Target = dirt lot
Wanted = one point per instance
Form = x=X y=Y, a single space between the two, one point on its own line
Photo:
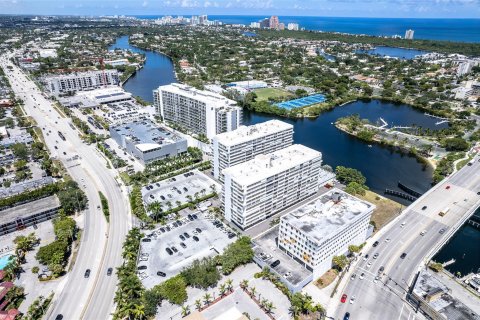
x=327 y=278
x=386 y=209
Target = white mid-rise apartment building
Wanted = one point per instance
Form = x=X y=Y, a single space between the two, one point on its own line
x=256 y=189
x=81 y=81
x=198 y=111
x=323 y=228
x=246 y=142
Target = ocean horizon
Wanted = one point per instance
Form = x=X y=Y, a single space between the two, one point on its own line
x=458 y=30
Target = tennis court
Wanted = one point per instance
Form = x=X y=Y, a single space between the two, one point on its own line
x=302 y=102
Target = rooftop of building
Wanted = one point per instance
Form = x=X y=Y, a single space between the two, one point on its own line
x=106 y=93
x=267 y=165
x=212 y=99
x=248 y=133
x=146 y=135
x=79 y=74
x=29 y=208
x=326 y=215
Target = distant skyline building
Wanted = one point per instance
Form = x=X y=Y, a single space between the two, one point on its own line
x=246 y=142
x=409 y=34
x=257 y=189
x=274 y=23
x=197 y=111
x=293 y=26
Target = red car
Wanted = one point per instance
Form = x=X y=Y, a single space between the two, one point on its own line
x=447 y=187
x=344 y=298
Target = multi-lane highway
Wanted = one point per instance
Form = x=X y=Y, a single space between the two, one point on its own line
x=384 y=297
x=101 y=243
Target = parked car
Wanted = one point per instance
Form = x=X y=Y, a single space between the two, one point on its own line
x=198 y=230
x=161 y=274
x=182 y=237
x=169 y=251
x=146 y=240
x=183 y=245
x=195 y=238
x=142 y=268
x=174 y=249
x=186 y=235
x=275 y=263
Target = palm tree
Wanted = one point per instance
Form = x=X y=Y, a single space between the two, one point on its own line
x=229 y=284
x=138 y=311
x=185 y=310
x=253 y=290
x=244 y=284
x=206 y=298
x=222 y=288
x=269 y=307
x=198 y=304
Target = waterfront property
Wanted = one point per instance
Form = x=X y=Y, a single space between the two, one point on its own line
x=81 y=81
x=256 y=189
x=323 y=228
x=391 y=52
x=198 y=111
x=302 y=102
x=244 y=143
x=147 y=142
x=28 y=214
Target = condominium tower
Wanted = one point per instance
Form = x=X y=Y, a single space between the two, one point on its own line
x=197 y=111
x=244 y=143
x=323 y=228
x=409 y=34
x=81 y=81
x=256 y=189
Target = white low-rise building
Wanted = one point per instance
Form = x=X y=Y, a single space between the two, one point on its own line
x=257 y=189
x=81 y=81
x=198 y=111
x=246 y=142
x=323 y=228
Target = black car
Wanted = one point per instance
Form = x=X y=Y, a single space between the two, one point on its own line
x=109 y=271
x=195 y=238
x=174 y=249
x=424 y=207
x=194 y=216
x=161 y=274
x=275 y=263
x=175 y=224
x=59 y=317
x=146 y=240
x=231 y=235
x=375 y=244
x=163 y=230
x=185 y=189
x=169 y=251
x=346 y=316
x=87 y=273
x=198 y=230
x=183 y=245
x=190 y=217
x=381 y=269
x=182 y=237
x=186 y=235
x=403 y=255
x=179 y=223
x=142 y=267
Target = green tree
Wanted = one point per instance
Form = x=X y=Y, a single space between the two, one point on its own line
x=347 y=175
x=20 y=150
x=340 y=261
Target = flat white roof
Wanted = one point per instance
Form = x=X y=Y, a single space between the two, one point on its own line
x=267 y=165
x=212 y=99
x=248 y=133
x=328 y=214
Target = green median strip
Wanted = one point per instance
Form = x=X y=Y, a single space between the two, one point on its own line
x=105 y=209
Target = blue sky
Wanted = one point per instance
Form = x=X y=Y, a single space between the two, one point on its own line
x=335 y=8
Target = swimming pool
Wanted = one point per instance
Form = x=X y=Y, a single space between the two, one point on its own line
x=4 y=261
x=302 y=102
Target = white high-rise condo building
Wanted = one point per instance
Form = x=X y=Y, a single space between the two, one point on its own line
x=198 y=111
x=409 y=34
x=81 y=81
x=256 y=189
x=293 y=26
x=244 y=143
x=323 y=228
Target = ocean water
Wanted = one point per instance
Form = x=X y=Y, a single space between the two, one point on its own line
x=463 y=30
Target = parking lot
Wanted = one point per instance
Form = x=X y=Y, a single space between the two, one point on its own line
x=179 y=189
x=291 y=272
x=210 y=241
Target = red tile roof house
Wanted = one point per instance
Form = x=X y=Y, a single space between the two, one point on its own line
x=4 y=314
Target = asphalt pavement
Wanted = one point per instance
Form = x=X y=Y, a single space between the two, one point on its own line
x=384 y=298
x=101 y=244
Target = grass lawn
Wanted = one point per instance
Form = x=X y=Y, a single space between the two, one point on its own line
x=386 y=209
x=326 y=278
x=264 y=93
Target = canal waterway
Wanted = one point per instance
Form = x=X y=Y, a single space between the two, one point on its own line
x=382 y=166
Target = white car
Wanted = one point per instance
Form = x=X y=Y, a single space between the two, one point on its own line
x=369 y=265
x=352 y=300
x=376 y=279
x=387 y=240
x=362 y=276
